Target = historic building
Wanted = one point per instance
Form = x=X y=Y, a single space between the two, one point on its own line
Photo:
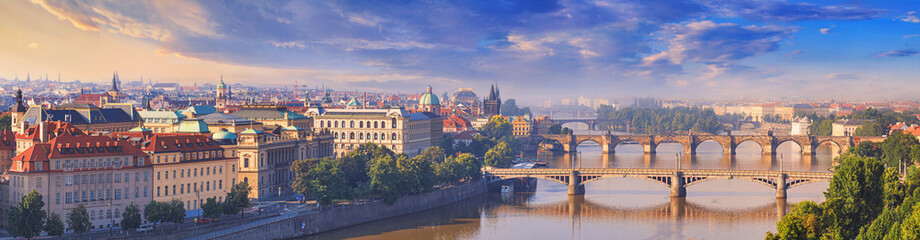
x=492 y=105
x=394 y=128
x=86 y=117
x=161 y=121
x=274 y=117
x=222 y=98
x=429 y=102
x=230 y=123
x=99 y=172
x=17 y=112
x=521 y=125
x=188 y=167
x=265 y=158
x=7 y=151
x=456 y=124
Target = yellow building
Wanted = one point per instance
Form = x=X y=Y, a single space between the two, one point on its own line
x=394 y=128
x=273 y=117
x=521 y=125
x=265 y=159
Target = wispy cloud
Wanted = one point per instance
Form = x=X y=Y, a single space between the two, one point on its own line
x=910 y=17
x=899 y=53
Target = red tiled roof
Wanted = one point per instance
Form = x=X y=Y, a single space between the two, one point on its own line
x=176 y=142
x=66 y=146
x=51 y=128
x=7 y=140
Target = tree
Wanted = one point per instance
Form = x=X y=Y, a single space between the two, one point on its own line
x=53 y=225
x=898 y=147
x=480 y=145
x=871 y=128
x=499 y=156
x=211 y=208
x=385 y=178
x=447 y=145
x=867 y=149
x=855 y=195
x=238 y=197
x=417 y=172
x=78 y=220
x=472 y=168
x=131 y=217
x=6 y=121
x=894 y=190
x=555 y=129
x=174 y=211
x=27 y=218
x=910 y=229
x=497 y=128
x=323 y=179
x=433 y=154
x=804 y=222
x=155 y=212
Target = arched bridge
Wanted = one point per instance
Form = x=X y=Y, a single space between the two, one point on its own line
x=729 y=143
x=592 y=123
x=677 y=180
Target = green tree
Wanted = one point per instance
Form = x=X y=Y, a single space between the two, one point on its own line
x=480 y=145
x=555 y=129
x=211 y=208
x=855 y=195
x=867 y=149
x=323 y=179
x=78 y=220
x=898 y=147
x=6 y=121
x=497 y=128
x=53 y=225
x=910 y=228
x=433 y=154
x=821 y=127
x=27 y=218
x=447 y=146
x=499 y=156
x=131 y=217
x=894 y=189
x=417 y=172
x=385 y=178
x=871 y=128
x=472 y=168
x=155 y=212
x=175 y=211
x=804 y=222
x=238 y=197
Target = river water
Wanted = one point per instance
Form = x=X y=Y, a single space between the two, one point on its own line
x=620 y=208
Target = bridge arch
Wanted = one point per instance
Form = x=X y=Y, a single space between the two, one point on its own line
x=572 y=125
x=802 y=146
x=840 y=148
x=723 y=147
x=763 y=147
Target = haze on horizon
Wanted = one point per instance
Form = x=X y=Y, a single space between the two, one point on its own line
x=533 y=49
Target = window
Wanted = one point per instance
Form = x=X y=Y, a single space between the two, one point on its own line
x=394 y=123
x=83 y=194
x=174 y=189
x=127 y=177
x=166 y=190
x=158 y=191
x=57 y=198
x=375 y=125
x=145 y=191
x=174 y=173
x=352 y=125
x=137 y=193
x=38 y=166
x=352 y=136
x=220 y=184
x=145 y=176
x=246 y=162
x=118 y=177
x=394 y=136
x=181 y=189
x=360 y=135
x=360 y=124
x=57 y=164
x=220 y=169
x=127 y=193
x=336 y=123
x=158 y=175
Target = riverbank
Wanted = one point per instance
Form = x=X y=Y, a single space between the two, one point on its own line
x=336 y=218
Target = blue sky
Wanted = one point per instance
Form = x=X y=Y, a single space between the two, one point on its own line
x=532 y=48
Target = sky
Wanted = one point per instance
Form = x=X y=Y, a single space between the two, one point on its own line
x=533 y=49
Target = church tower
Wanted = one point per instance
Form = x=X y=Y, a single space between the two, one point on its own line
x=17 y=112
x=114 y=91
x=493 y=104
x=429 y=102
x=223 y=94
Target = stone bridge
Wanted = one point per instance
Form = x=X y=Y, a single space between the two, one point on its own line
x=591 y=122
x=675 y=179
x=729 y=143
x=677 y=208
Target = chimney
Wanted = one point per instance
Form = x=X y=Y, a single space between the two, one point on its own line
x=41 y=132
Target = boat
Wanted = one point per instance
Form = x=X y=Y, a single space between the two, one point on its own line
x=508 y=188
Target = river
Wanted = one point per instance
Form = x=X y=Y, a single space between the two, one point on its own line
x=620 y=208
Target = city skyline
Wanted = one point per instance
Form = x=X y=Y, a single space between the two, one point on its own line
x=534 y=50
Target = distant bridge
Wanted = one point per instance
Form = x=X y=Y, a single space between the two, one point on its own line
x=592 y=123
x=676 y=179
x=729 y=143
x=677 y=208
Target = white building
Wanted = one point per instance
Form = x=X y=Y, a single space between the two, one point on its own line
x=800 y=126
x=394 y=128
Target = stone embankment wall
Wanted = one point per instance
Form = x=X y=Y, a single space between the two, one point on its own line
x=336 y=218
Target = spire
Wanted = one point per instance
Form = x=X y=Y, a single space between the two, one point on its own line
x=28 y=77
x=492 y=92
x=19 y=106
x=115 y=81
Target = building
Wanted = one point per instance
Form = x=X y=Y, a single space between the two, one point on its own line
x=188 y=167
x=274 y=117
x=7 y=151
x=847 y=127
x=429 y=102
x=394 y=128
x=521 y=125
x=222 y=98
x=465 y=98
x=230 y=123
x=42 y=133
x=456 y=124
x=161 y=121
x=542 y=124
x=265 y=159
x=17 y=111
x=492 y=105
x=86 y=117
x=800 y=126
x=99 y=172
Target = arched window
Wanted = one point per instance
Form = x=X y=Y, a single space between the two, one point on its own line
x=394 y=136
x=246 y=180
x=375 y=125
x=375 y=136
x=394 y=123
x=336 y=123
x=335 y=135
x=322 y=123
x=352 y=135
x=360 y=124
x=360 y=135
x=352 y=125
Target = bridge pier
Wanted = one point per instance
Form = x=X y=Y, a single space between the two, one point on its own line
x=781 y=186
x=677 y=185
x=568 y=147
x=650 y=148
x=575 y=186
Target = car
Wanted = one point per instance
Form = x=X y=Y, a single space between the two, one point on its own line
x=145 y=228
x=201 y=220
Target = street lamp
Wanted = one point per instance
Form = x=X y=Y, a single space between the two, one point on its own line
x=198 y=196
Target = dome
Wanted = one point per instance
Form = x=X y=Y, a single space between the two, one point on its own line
x=140 y=129
x=251 y=131
x=353 y=102
x=192 y=125
x=223 y=134
x=429 y=98
x=292 y=128
x=221 y=85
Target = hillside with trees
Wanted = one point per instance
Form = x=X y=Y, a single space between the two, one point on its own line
x=664 y=120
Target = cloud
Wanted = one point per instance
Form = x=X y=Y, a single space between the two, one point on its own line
x=795 y=52
x=899 y=53
x=841 y=76
x=912 y=36
x=911 y=17
x=33 y=45
x=827 y=30
x=710 y=43
x=784 y=11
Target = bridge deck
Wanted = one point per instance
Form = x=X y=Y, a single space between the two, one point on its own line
x=654 y=172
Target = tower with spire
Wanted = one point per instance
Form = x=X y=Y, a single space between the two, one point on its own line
x=113 y=92
x=492 y=105
x=429 y=102
x=222 y=99
x=17 y=112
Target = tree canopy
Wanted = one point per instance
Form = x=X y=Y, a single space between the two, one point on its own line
x=665 y=120
x=27 y=218
x=78 y=219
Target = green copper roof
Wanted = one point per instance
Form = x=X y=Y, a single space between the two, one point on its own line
x=353 y=102
x=193 y=126
x=294 y=128
x=251 y=131
x=429 y=98
x=223 y=134
x=139 y=129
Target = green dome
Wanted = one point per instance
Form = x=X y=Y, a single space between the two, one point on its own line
x=140 y=129
x=191 y=125
x=251 y=131
x=429 y=98
x=223 y=134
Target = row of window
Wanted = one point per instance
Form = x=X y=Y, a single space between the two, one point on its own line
x=191 y=187
x=90 y=196
x=102 y=178
x=362 y=136
x=93 y=163
x=351 y=124
x=194 y=172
